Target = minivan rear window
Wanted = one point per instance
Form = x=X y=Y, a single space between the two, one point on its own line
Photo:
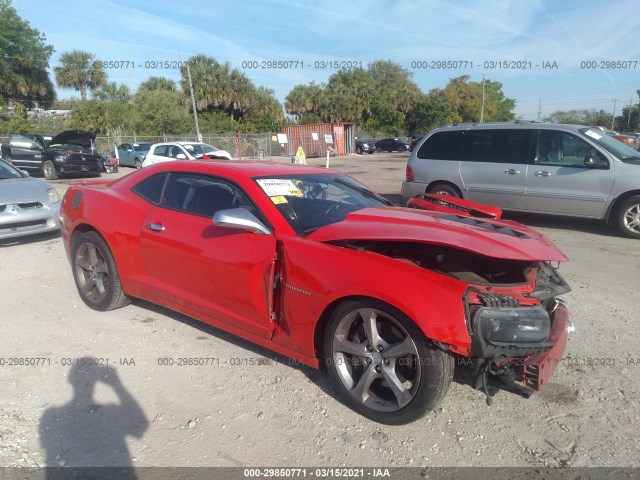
x=443 y=146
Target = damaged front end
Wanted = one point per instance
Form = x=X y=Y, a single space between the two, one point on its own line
x=517 y=342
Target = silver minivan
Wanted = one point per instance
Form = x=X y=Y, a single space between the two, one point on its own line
x=531 y=167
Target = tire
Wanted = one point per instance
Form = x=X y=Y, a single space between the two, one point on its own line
x=401 y=149
x=628 y=217
x=7 y=157
x=443 y=188
x=49 y=170
x=138 y=164
x=95 y=273
x=371 y=152
x=359 y=150
x=362 y=373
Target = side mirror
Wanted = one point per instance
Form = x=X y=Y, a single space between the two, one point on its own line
x=181 y=156
x=595 y=161
x=35 y=146
x=241 y=219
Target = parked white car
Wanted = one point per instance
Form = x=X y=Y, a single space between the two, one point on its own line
x=164 y=152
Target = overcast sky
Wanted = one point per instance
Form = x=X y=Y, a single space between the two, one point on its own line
x=533 y=33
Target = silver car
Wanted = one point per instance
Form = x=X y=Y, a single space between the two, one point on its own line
x=531 y=167
x=27 y=205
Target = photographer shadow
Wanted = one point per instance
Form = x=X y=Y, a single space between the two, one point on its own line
x=82 y=435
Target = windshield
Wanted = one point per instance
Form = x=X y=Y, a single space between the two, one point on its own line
x=142 y=147
x=7 y=171
x=197 y=150
x=311 y=201
x=611 y=145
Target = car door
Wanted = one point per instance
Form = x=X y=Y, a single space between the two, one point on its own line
x=222 y=272
x=26 y=153
x=125 y=155
x=494 y=166
x=560 y=182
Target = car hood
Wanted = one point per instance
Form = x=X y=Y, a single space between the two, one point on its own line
x=18 y=190
x=493 y=238
x=76 y=137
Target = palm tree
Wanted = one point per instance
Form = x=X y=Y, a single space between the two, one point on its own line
x=112 y=92
x=80 y=70
x=157 y=83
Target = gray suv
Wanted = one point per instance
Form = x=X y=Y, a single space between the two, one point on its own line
x=531 y=167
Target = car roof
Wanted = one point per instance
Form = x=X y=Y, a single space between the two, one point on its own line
x=524 y=125
x=250 y=168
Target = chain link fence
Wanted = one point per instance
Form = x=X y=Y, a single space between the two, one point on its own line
x=245 y=146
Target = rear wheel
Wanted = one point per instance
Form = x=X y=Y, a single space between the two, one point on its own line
x=628 y=217
x=444 y=189
x=95 y=272
x=380 y=363
x=49 y=170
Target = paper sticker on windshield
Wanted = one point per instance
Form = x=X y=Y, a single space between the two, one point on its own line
x=593 y=134
x=278 y=200
x=279 y=187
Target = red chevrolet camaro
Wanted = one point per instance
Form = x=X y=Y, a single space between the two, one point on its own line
x=313 y=265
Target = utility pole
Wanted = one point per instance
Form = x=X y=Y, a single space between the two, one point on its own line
x=193 y=100
x=613 y=118
x=629 y=117
x=482 y=108
x=539 y=109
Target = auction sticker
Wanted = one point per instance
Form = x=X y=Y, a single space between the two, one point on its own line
x=279 y=199
x=279 y=187
x=593 y=134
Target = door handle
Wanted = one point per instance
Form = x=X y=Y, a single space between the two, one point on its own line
x=155 y=226
x=512 y=171
x=542 y=174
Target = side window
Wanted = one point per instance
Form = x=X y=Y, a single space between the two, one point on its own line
x=202 y=195
x=21 y=141
x=497 y=146
x=174 y=151
x=160 y=150
x=443 y=146
x=151 y=188
x=564 y=149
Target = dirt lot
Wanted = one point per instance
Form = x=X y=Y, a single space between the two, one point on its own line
x=250 y=407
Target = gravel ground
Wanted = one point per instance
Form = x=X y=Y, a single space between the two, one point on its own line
x=249 y=407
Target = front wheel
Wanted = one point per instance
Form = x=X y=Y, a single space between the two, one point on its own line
x=380 y=363
x=95 y=273
x=359 y=150
x=138 y=164
x=49 y=170
x=628 y=217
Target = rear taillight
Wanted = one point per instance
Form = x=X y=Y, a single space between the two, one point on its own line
x=409 y=174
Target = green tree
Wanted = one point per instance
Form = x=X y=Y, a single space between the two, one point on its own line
x=465 y=100
x=211 y=82
x=159 y=111
x=304 y=99
x=431 y=112
x=385 y=121
x=157 y=83
x=80 y=70
x=347 y=96
x=24 y=59
x=112 y=92
x=393 y=84
x=580 y=117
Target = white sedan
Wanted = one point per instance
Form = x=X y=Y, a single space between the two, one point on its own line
x=164 y=152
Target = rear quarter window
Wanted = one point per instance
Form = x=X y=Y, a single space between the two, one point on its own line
x=443 y=146
x=151 y=188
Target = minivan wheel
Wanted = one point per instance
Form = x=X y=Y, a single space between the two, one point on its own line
x=381 y=365
x=444 y=189
x=49 y=170
x=628 y=217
